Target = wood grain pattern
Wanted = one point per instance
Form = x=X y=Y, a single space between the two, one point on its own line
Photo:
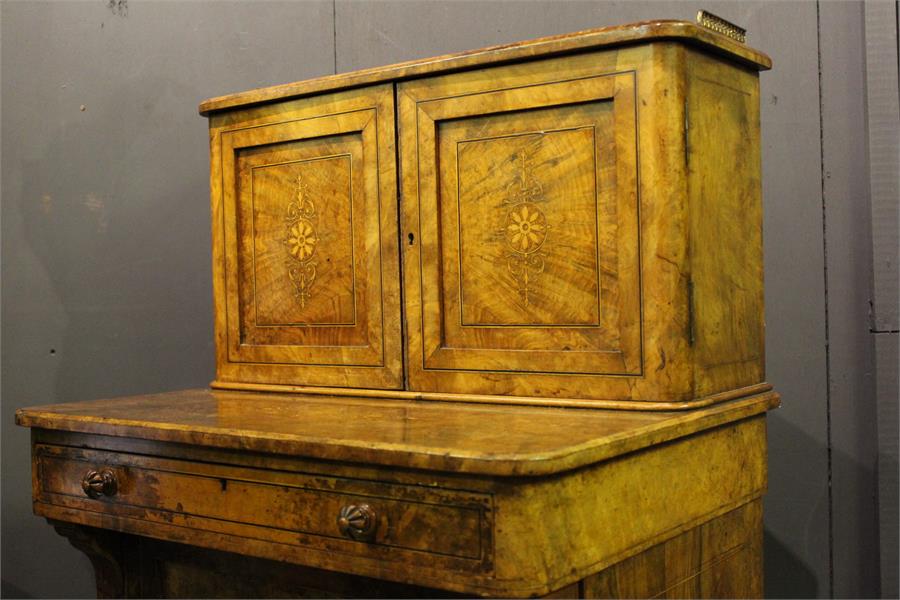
x=715 y=559
x=572 y=230
x=686 y=32
x=443 y=436
x=548 y=532
x=493 y=155
x=637 y=501
x=580 y=227
x=719 y=559
x=298 y=279
x=653 y=294
x=724 y=188
x=302 y=242
x=305 y=242
x=273 y=506
x=513 y=225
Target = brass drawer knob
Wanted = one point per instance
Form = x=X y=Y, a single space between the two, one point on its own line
x=358 y=522
x=99 y=483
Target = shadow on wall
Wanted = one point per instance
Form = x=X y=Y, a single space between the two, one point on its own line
x=891 y=582
x=8 y=590
x=796 y=537
x=806 y=500
x=785 y=572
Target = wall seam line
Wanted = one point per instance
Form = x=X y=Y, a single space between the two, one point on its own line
x=334 y=32
x=829 y=448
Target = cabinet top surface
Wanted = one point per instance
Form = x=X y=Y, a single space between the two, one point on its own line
x=455 y=437
x=590 y=39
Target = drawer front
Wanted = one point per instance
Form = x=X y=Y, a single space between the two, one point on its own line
x=306 y=259
x=520 y=185
x=329 y=513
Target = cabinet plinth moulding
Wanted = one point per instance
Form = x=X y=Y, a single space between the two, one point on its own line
x=580 y=219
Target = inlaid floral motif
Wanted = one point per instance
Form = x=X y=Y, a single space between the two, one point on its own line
x=301 y=241
x=526 y=228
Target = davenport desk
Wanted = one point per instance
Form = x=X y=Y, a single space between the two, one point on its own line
x=486 y=324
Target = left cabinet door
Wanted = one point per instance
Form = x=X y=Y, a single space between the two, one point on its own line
x=305 y=248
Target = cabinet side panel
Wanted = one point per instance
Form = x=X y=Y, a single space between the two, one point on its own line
x=725 y=209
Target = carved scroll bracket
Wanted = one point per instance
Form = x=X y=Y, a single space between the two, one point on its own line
x=106 y=551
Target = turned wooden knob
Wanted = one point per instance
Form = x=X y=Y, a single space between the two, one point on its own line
x=99 y=483
x=358 y=521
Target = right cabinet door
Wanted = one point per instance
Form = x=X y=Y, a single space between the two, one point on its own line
x=521 y=215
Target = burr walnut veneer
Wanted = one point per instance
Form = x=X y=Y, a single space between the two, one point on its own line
x=583 y=227
x=487 y=324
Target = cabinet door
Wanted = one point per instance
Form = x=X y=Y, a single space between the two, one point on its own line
x=305 y=249
x=521 y=210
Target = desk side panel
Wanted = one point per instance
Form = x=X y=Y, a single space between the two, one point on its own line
x=561 y=529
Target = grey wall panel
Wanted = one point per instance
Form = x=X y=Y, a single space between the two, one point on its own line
x=797 y=526
x=883 y=103
x=372 y=33
x=105 y=212
x=888 y=368
x=851 y=351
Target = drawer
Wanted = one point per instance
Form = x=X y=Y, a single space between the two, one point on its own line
x=327 y=513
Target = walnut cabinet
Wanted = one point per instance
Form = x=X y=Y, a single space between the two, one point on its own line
x=521 y=222
x=486 y=324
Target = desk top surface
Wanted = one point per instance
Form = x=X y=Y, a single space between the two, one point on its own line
x=443 y=436
x=590 y=39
